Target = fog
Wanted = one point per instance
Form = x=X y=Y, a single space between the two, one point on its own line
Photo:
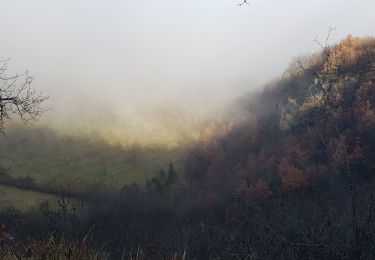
x=138 y=65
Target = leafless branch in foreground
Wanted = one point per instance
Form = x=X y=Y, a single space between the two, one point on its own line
x=323 y=83
x=18 y=98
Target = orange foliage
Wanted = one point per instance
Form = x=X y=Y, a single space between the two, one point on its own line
x=292 y=178
x=321 y=139
x=253 y=193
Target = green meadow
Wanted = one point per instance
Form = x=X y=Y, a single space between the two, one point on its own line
x=24 y=199
x=53 y=159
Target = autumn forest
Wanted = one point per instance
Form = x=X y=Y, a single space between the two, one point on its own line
x=135 y=163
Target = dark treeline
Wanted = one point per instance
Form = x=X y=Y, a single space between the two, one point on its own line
x=292 y=178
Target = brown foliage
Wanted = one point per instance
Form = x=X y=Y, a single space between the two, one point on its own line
x=326 y=129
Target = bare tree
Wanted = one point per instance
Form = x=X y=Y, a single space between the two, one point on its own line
x=324 y=79
x=18 y=98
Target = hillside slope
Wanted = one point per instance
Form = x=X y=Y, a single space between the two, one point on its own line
x=52 y=159
x=315 y=124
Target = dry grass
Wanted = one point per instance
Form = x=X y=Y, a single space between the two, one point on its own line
x=49 y=250
x=64 y=250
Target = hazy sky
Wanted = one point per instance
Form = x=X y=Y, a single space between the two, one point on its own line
x=129 y=54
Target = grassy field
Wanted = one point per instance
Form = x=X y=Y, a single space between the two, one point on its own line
x=55 y=159
x=23 y=199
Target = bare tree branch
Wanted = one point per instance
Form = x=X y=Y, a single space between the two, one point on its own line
x=322 y=79
x=18 y=98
